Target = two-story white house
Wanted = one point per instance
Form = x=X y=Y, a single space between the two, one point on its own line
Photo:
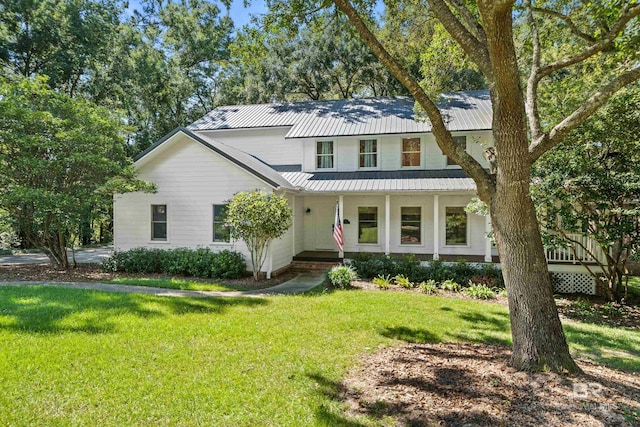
x=396 y=191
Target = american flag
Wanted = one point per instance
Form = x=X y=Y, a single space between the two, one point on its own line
x=337 y=230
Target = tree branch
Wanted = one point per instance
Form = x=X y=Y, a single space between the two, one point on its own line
x=472 y=46
x=531 y=104
x=470 y=21
x=483 y=180
x=549 y=140
x=572 y=26
x=629 y=12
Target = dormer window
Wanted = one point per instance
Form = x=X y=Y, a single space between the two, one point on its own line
x=368 y=153
x=324 y=154
x=462 y=141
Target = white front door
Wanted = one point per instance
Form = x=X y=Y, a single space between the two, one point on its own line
x=323 y=217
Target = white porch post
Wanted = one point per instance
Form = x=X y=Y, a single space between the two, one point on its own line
x=293 y=226
x=341 y=208
x=436 y=227
x=387 y=224
x=487 y=242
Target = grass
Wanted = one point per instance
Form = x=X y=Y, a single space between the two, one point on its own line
x=172 y=283
x=634 y=286
x=74 y=357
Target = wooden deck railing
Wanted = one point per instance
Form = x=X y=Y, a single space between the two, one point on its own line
x=567 y=255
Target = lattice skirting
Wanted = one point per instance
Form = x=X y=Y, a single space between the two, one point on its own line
x=569 y=283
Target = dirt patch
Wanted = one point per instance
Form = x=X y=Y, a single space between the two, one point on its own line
x=461 y=384
x=92 y=273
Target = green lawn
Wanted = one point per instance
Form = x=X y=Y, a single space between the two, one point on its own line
x=634 y=286
x=187 y=285
x=74 y=357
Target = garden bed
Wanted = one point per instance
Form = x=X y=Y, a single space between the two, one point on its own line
x=464 y=384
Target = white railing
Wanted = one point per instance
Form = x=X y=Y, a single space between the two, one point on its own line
x=567 y=255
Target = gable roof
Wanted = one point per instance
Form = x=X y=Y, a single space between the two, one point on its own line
x=246 y=161
x=462 y=111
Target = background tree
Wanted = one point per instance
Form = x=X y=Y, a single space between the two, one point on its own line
x=59 y=157
x=484 y=30
x=322 y=59
x=591 y=185
x=257 y=218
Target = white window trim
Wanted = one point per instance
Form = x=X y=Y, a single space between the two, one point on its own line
x=378 y=243
x=402 y=152
x=422 y=227
x=167 y=241
x=213 y=242
x=315 y=155
x=377 y=153
x=446 y=164
x=444 y=229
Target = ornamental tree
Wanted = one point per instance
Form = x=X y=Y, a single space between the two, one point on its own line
x=59 y=157
x=591 y=185
x=257 y=218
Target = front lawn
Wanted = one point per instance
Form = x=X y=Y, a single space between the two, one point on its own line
x=74 y=357
x=173 y=283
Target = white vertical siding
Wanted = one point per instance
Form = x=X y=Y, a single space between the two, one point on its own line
x=267 y=144
x=347 y=150
x=190 y=179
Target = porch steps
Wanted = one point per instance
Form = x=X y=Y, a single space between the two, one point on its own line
x=304 y=266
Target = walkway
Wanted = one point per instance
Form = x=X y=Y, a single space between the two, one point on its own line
x=299 y=284
x=83 y=256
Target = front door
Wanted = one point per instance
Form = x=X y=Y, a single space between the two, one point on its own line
x=323 y=222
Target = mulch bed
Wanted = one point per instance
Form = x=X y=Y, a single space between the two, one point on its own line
x=458 y=384
x=92 y=273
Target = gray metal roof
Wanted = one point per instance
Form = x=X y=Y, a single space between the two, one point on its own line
x=391 y=181
x=246 y=161
x=462 y=111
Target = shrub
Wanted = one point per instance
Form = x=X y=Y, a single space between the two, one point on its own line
x=461 y=271
x=409 y=267
x=403 y=281
x=450 y=285
x=201 y=262
x=479 y=291
x=490 y=275
x=371 y=265
x=342 y=275
x=430 y=287
x=383 y=282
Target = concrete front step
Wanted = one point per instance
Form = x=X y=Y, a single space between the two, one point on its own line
x=301 y=266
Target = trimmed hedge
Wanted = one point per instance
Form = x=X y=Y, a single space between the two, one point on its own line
x=201 y=262
x=369 y=266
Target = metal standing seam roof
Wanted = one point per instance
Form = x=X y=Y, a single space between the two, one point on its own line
x=377 y=181
x=462 y=111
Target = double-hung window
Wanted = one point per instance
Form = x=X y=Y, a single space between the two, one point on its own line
x=368 y=153
x=410 y=152
x=455 y=226
x=410 y=225
x=220 y=229
x=460 y=140
x=324 y=155
x=159 y=222
x=368 y=225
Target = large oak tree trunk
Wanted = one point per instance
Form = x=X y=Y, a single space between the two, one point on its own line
x=538 y=338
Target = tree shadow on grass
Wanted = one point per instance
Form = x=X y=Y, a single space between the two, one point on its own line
x=325 y=415
x=412 y=335
x=55 y=310
x=607 y=349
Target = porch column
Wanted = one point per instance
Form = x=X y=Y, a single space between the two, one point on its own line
x=436 y=227
x=293 y=226
x=341 y=208
x=387 y=224
x=487 y=242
